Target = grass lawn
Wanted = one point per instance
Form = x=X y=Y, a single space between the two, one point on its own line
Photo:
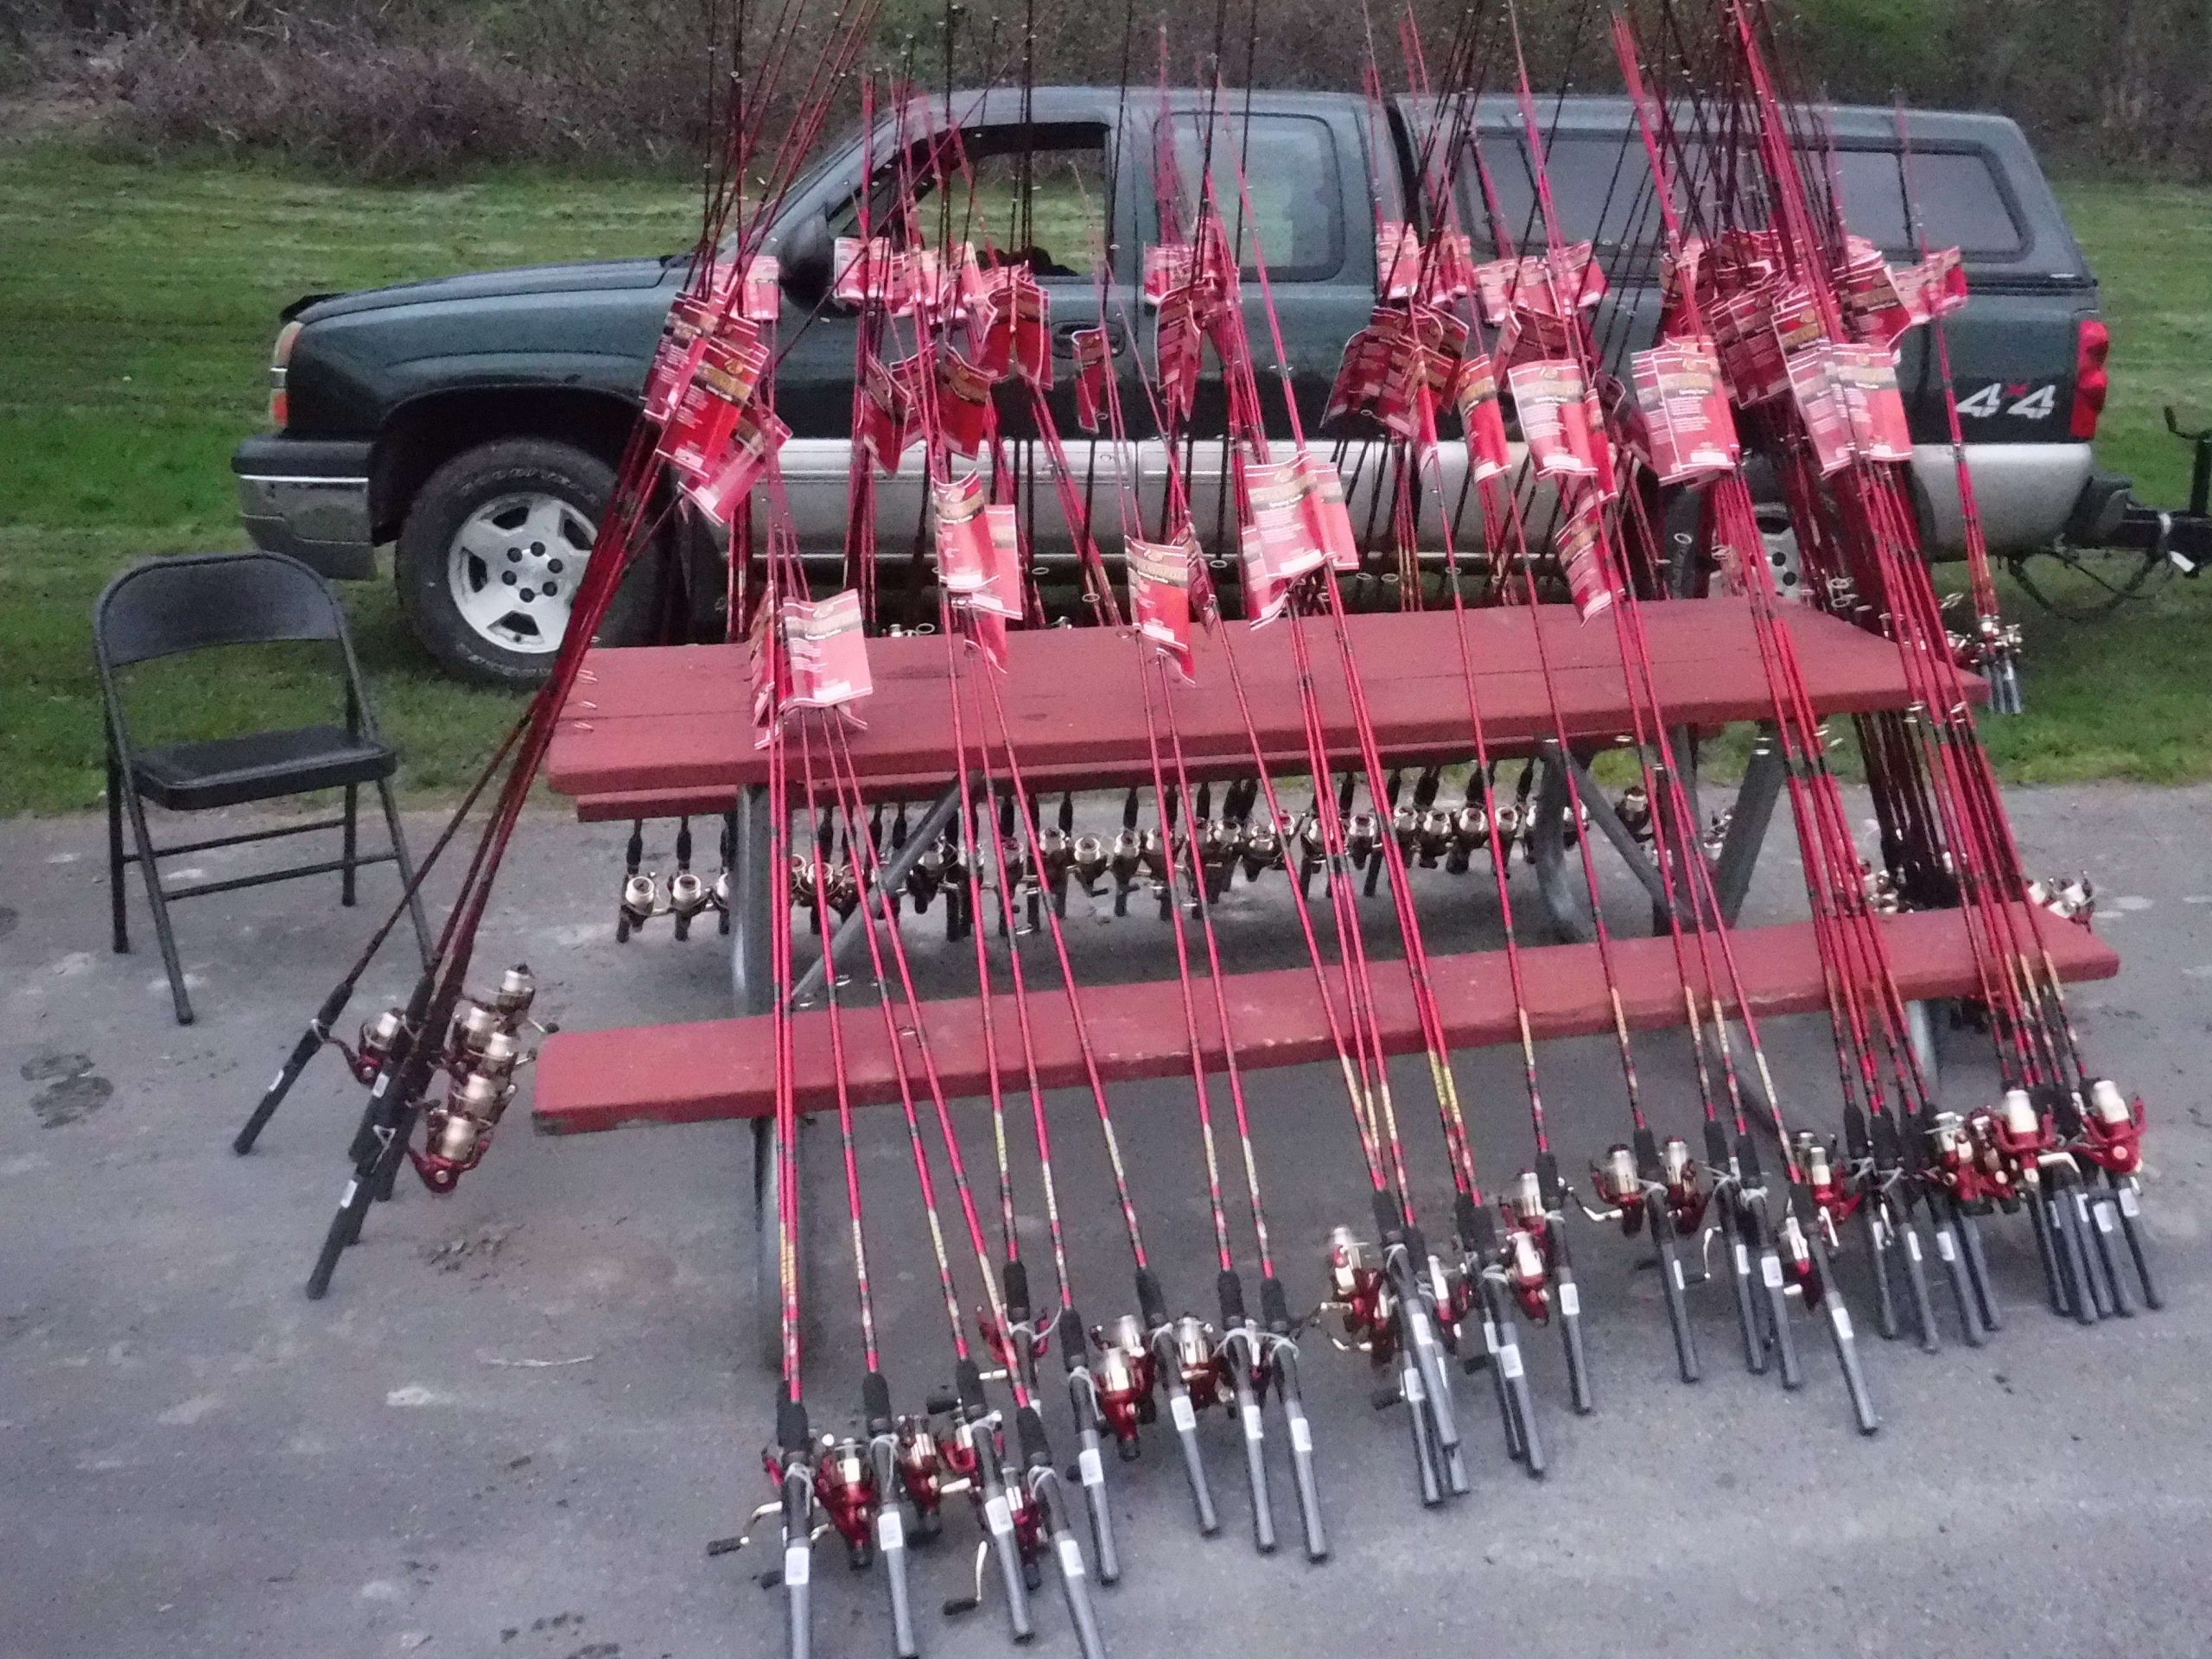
x=138 y=306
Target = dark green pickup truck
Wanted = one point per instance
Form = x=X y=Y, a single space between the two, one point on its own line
x=476 y=421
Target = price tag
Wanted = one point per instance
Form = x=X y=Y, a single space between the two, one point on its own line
x=2104 y=1218
x=383 y=1081
x=1253 y=1427
x=890 y=1529
x=1415 y=1394
x=275 y=1083
x=1743 y=1260
x=1880 y=1228
x=1912 y=1245
x=1675 y=1266
x=1508 y=1359
x=347 y=1197
x=1770 y=1270
x=2130 y=1205
x=1179 y=1408
x=1944 y=1246
x=1841 y=1315
x=1301 y=1434
x=799 y=1564
x=1092 y=1466
x=1489 y=1334
x=1570 y=1299
x=997 y=1517
x=1071 y=1559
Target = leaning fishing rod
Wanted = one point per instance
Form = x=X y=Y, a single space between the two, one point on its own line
x=368 y=1058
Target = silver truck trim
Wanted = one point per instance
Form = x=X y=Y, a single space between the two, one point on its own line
x=321 y=521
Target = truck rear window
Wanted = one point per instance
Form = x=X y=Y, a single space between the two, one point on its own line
x=1602 y=187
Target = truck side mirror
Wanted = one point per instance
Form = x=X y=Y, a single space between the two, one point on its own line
x=805 y=259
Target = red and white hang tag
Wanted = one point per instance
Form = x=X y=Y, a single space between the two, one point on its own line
x=1555 y=407
x=1450 y=273
x=1278 y=545
x=1179 y=351
x=1866 y=291
x=890 y=414
x=1160 y=595
x=978 y=548
x=1750 y=354
x=1934 y=288
x=862 y=272
x=1167 y=266
x=1848 y=397
x=1327 y=514
x=827 y=650
x=1016 y=336
x=1397 y=260
x=754 y=442
x=1482 y=418
x=683 y=336
x=1687 y=426
x=1093 y=364
x=705 y=421
x=964 y=402
x=1580 y=547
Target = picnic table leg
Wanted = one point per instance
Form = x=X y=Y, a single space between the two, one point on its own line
x=1563 y=905
x=1747 y=824
x=754 y=882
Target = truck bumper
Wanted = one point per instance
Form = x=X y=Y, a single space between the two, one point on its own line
x=2027 y=493
x=309 y=497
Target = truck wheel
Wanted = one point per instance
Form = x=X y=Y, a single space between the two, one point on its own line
x=492 y=552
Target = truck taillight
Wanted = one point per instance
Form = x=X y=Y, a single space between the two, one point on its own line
x=2091 y=382
x=280 y=402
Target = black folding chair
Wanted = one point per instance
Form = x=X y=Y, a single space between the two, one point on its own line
x=166 y=607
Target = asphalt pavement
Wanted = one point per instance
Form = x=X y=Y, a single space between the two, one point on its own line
x=525 y=1409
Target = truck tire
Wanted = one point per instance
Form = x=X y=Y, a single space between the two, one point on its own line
x=492 y=550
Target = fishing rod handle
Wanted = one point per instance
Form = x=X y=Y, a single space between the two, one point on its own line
x=1255 y=1459
x=2131 y=1225
x=1740 y=1279
x=1578 y=1355
x=1300 y=1432
x=1090 y=1470
x=998 y=1521
x=1916 y=1284
x=1846 y=1355
x=1878 y=1263
x=311 y=1040
x=891 y=1549
x=1185 y=1416
x=1676 y=1288
x=1777 y=1308
x=1075 y=1580
x=1985 y=1293
x=345 y=1227
x=1431 y=1487
x=1955 y=1267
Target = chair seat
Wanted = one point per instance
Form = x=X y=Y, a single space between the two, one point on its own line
x=255 y=766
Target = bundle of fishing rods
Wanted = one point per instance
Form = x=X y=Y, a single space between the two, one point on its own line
x=1778 y=343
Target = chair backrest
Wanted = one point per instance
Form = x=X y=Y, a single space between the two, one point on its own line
x=199 y=602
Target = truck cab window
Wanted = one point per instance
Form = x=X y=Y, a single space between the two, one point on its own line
x=1297 y=217
x=976 y=192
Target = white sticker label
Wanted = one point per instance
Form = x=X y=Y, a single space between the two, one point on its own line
x=1071 y=1559
x=891 y=1530
x=1301 y=1434
x=347 y=1197
x=1944 y=1246
x=1912 y=1245
x=275 y=1083
x=2130 y=1205
x=1770 y=1270
x=1489 y=1334
x=2104 y=1218
x=1508 y=1359
x=1179 y=1408
x=1253 y=1428
x=1570 y=1299
x=1743 y=1261
x=1880 y=1228
x=1093 y=1466
x=799 y=1564
x=1415 y=1394
x=1675 y=1266
x=1842 y=1317
x=384 y=1081
x=997 y=1517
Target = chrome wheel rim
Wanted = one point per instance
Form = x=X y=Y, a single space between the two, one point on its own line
x=514 y=567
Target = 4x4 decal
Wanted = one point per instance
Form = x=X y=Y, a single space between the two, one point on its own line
x=2025 y=399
